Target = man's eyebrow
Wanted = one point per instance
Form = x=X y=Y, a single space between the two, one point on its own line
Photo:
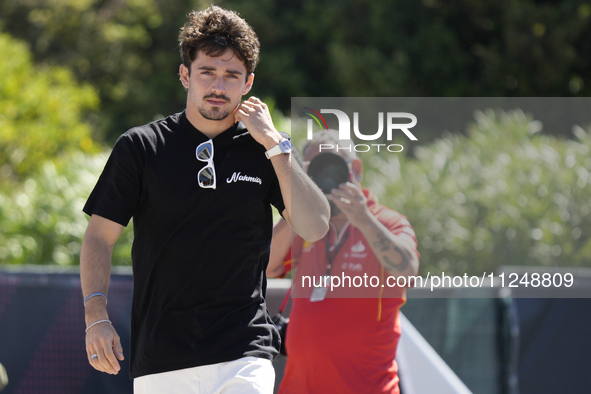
x=209 y=68
x=234 y=72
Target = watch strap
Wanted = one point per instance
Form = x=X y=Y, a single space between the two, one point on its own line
x=274 y=151
x=277 y=150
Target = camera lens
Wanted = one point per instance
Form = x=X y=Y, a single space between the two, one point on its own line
x=328 y=170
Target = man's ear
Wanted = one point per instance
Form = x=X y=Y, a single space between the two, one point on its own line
x=184 y=75
x=248 y=86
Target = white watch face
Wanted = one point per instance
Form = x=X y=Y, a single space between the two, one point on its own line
x=285 y=146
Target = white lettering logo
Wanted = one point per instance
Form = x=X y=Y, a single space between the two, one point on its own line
x=236 y=176
x=345 y=125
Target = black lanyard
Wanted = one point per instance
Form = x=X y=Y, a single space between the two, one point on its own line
x=331 y=255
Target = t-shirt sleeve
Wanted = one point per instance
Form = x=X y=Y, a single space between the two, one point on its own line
x=117 y=192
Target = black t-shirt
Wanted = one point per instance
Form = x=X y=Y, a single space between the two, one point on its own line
x=199 y=255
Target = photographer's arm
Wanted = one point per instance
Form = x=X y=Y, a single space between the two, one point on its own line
x=95 y=271
x=396 y=253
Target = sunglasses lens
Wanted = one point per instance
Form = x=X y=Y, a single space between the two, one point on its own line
x=204 y=151
x=206 y=177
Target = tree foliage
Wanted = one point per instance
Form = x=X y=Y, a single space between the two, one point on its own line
x=40 y=111
x=42 y=222
x=433 y=48
x=126 y=49
x=322 y=48
x=504 y=195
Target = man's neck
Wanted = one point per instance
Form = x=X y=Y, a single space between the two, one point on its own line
x=211 y=128
x=339 y=221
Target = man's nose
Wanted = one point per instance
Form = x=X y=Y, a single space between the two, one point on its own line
x=218 y=86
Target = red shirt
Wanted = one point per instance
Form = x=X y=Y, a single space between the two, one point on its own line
x=345 y=344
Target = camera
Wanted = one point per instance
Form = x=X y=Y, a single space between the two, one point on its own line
x=328 y=170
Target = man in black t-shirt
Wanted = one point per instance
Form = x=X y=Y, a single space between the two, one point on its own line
x=199 y=186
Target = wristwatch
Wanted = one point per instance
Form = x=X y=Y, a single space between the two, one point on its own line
x=283 y=147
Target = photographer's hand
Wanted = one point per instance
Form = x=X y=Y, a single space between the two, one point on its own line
x=349 y=198
x=395 y=252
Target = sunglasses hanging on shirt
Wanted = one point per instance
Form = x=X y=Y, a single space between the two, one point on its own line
x=206 y=175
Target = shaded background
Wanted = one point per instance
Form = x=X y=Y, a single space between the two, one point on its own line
x=500 y=189
x=127 y=50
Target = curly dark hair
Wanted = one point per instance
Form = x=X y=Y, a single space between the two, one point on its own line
x=215 y=30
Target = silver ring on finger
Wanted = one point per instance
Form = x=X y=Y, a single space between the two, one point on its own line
x=94 y=357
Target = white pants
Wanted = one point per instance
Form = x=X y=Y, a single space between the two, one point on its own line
x=247 y=375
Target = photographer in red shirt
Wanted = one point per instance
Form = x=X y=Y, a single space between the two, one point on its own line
x=348 y=287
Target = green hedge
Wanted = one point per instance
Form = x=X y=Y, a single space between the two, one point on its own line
x=41 y=112
x=503 y=195
x=42 y=221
